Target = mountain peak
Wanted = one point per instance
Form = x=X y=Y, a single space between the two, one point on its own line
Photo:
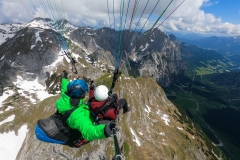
x=44 y=23
x=41 y=19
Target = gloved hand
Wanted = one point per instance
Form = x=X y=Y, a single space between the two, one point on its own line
x=64 y=74
x=108 y=130
x=110 y=92
x=116 y=72
x=74 y=60
x=114 y=96
x=92 y=85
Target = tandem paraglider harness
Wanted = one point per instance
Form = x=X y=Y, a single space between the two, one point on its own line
x=55 y=130
x=99 y=113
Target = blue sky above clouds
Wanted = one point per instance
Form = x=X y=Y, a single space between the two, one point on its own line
x=218 y=17
x=228 y=10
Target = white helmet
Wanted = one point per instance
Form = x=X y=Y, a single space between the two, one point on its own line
x=101 y=93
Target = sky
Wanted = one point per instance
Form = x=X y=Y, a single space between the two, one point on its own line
x=218 y=17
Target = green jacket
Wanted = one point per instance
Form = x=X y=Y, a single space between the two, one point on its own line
x=81 y=118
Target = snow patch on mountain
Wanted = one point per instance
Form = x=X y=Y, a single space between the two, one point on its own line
x=52 y=67
x=38 y=37
x=7 y=109
x=179 y=128
x=10 y=28
x=11 y=143
x=135 y=137
x=164 y=117
x=68 y=25
x=4 y=37
x=39 y=23
x=31 y=89
x=33 y=46
x=2 y=57
x=9 y=119
x=148 y=109
x=5 y=95
x=8 y=31
x=162 y=133
x=143 y=49
x=97 y=46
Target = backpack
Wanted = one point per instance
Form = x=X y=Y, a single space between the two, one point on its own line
x=107 y=111
x=55 y=130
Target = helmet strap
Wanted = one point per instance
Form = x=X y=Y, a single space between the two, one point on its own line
x=74 y=101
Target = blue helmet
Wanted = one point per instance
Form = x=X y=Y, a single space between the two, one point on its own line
x=77 y=88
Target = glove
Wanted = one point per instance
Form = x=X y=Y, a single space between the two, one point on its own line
x=114 y=96
x=110 y=92
x=64 y=74
x=92 y=85
x=74 y=60
x=108 y=128
x=116 y=72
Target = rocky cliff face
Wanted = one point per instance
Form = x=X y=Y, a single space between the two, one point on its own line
x=159 y=56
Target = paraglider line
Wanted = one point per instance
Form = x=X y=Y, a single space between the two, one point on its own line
x=120 y=32
x=108 y=15
x=114 y=51
x=144 y=24
x=126 y=47
x=150 y=31
x=132 y=17
x=170 y=14
x=26 y=8
x=150 y=34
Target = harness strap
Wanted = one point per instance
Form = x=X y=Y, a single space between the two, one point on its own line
x=102 y=110
x=90 y=100
x=106 y=106
x=66 y=115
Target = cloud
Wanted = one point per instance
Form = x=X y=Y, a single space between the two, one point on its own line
x=12 y=12
x=189 y=17
x=193 y=19
x=209 y=3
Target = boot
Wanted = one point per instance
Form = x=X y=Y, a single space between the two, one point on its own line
x=129 y=109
